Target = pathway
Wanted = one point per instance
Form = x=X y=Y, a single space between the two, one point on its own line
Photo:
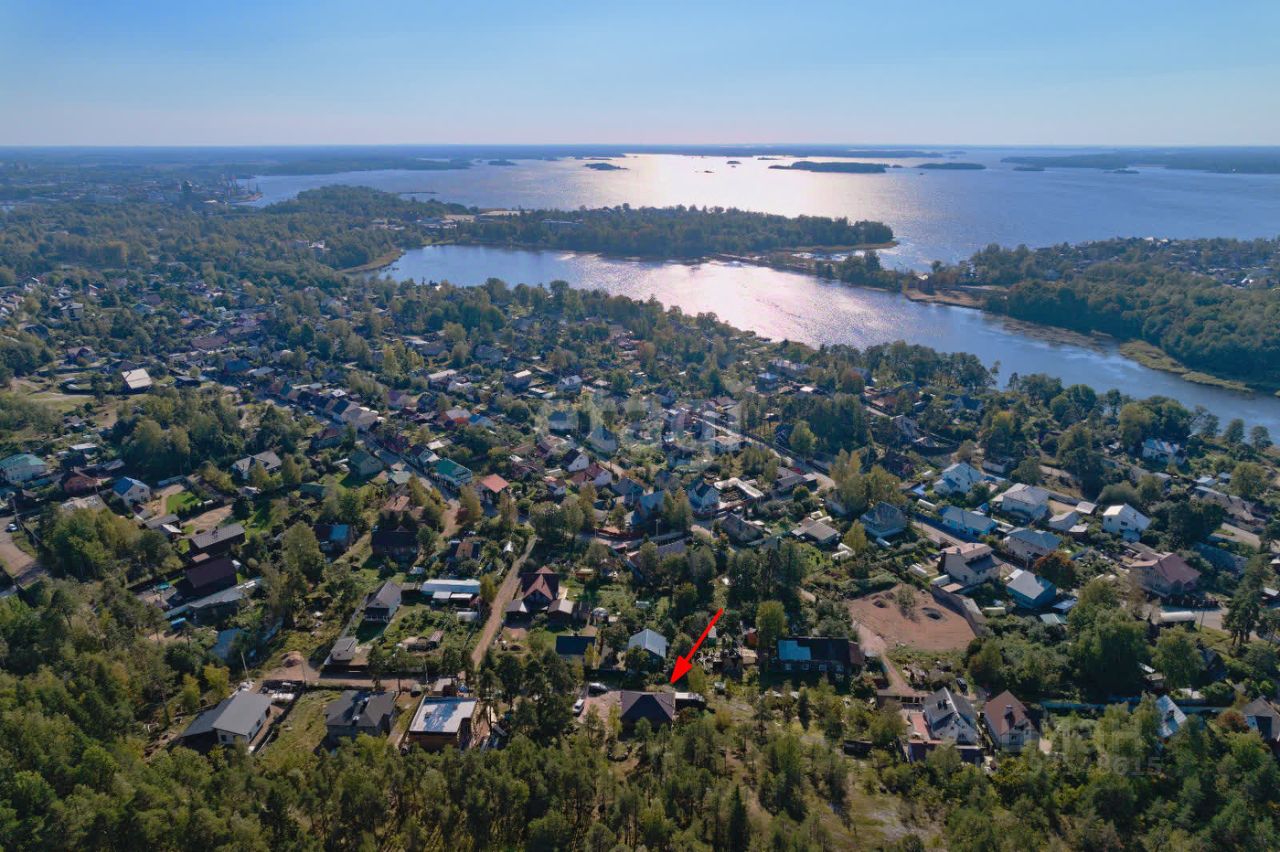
x=498 y=609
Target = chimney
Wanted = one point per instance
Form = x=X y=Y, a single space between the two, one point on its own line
x=1008 y=712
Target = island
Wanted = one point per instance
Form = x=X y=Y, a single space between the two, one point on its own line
x=1257 y=161
x=834 y=167
x=952 y=167
x=502 y=162
x=891 y=153
x=605 y=167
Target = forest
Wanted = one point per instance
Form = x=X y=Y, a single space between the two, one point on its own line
x=1159 y=292
x=675 y=232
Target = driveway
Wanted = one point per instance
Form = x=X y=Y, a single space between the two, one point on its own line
x=498 y=609
x=18 y=564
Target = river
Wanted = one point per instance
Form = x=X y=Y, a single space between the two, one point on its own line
x=791 y=306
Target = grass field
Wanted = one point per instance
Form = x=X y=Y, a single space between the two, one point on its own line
x=299 y=733
x=180 y=502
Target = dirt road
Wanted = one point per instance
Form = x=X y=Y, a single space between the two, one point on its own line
x=498 y=609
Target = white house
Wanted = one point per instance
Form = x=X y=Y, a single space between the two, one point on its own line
x=1030 y=545
x=959 y=478
x=131 y=491
x=577 y=460
x=22 y=467
x=1063 y=521
x=966 y=522
x=1125 y=521
x=1029 y=502
x=1161 y=451
x=703 y=498
x=969 y=564
x=603 y=441
x=562 y=421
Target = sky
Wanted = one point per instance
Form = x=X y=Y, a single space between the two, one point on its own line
x=226 y=72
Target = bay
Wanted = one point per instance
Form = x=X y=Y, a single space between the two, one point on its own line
x=936 y=215
x=784 y=305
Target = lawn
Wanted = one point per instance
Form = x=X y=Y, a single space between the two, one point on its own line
x=180 y=502
x=298 y=735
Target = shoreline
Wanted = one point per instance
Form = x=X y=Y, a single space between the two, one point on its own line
x=1138 y=351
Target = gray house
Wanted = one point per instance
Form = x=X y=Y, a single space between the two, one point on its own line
x=237 y=719
x=357 y=712
x=652 y=641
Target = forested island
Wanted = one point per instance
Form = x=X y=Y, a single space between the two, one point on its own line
x=951 y=167
x=605 y=167
x=892 y=153
x=1220 y=160
x=834 y=167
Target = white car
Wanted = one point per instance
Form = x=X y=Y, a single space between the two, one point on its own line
x=578 y=705
x=12 y=528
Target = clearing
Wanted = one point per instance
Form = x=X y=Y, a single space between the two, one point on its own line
x=925 y=624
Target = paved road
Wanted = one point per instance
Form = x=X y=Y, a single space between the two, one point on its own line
x=498 y=608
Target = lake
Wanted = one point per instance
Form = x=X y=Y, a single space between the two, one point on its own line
x=791 y=306
x=936 y=215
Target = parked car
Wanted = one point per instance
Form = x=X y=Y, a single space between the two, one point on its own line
x=578 y=705
x=597 y=688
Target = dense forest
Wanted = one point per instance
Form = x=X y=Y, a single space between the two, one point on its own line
x=677 y=232
x=1159 y=292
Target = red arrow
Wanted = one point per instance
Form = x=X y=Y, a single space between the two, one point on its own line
x=683 y=663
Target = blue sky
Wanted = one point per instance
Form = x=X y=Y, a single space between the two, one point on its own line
x=385 y=71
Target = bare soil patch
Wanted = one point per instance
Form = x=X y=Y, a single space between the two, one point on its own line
x=926 y=624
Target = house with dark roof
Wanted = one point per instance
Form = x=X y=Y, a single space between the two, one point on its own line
x=210 y=576
x=268 y=461
x=574 y=647
x=237 y=719
x=333 y=538
x=538 y=590
x=1007 y=722
x=704 y=499
x=1165 y=574
x=951 y=718
x=400 y=545
x=835 y=656
x=357 y=712
x=218 y=606
x=659 y=708
x=217 y=541
x=1262 y=716
x=381 y=605
x=883 y=520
